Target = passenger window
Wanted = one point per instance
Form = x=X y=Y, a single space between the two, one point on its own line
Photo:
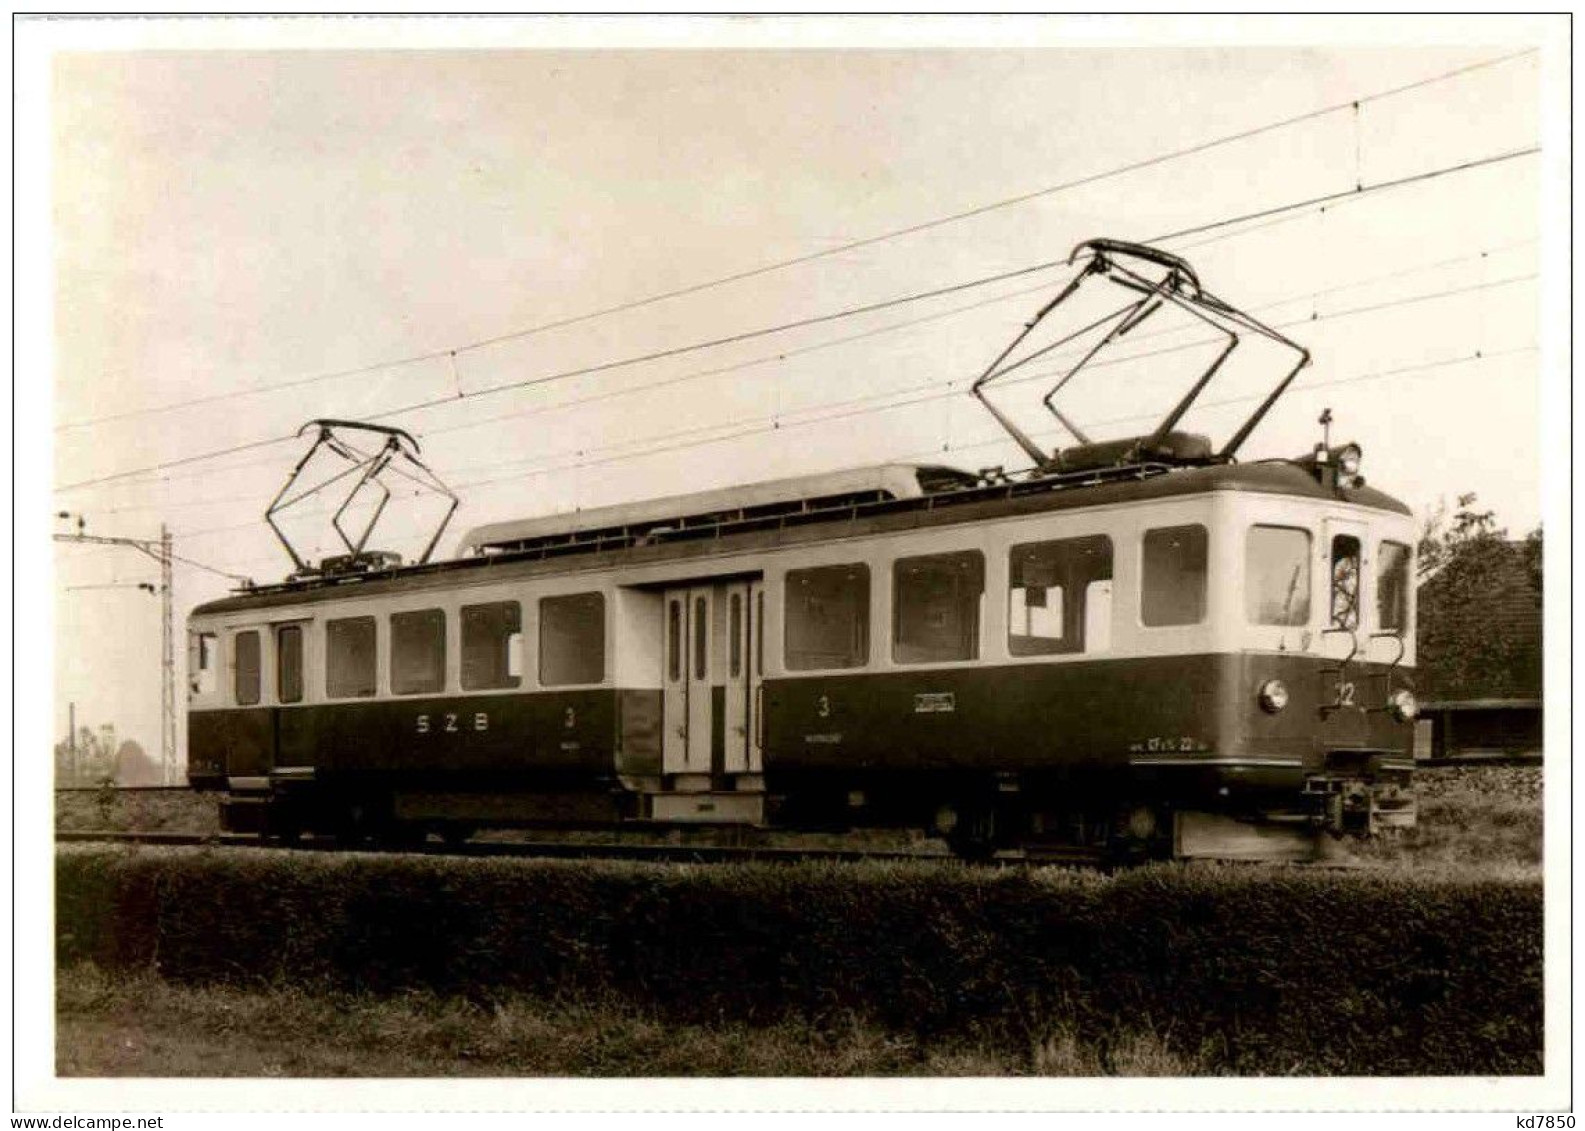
x=1277 y=575
x=1173 y=584
x=674 y=640
x=572 y=639
x=349 y=658
x=491 y=635
x=245 y=650
x=827 y=617
x=936 y=607
x=1345 y=581
x=418 y=652
x=1392 y=587
x=1059 y=596
x=289 y=663
x=701 y=635
x=735 y=632
x=201 y=663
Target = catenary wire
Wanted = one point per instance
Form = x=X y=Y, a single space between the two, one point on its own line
x=1416 y=178
x=931 y=391
x=1350 y=105
x=941 y=392
x=1470 y=358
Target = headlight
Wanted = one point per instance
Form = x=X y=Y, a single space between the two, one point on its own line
x=1403 y=706
x=1273 y=695
x=1348 y=457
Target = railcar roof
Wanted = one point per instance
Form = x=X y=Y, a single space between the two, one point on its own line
x=887 y=480
x=932 y=508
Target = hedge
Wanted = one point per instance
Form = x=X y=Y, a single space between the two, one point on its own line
x=1248 y=969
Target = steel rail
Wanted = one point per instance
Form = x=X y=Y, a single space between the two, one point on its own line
x=673 y=853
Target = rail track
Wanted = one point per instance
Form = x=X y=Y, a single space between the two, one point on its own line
x=564 y=850
x=655 y=853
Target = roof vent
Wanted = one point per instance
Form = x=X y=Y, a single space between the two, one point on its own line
x=1172 y=448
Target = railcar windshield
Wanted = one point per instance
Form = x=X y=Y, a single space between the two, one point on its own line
x=1392 y=587
x=1345 y=581
x=201 y=663
x=1174 y=576
x=1277 y=575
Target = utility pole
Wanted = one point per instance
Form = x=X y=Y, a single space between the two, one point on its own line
x=161 y=552
x=167 y=662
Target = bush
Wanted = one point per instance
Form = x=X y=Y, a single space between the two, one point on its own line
x=1246 y=969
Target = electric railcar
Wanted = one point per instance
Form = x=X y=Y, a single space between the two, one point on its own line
x=1141 y=648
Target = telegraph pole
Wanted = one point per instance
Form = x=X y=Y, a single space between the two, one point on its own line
x=167 y=662
x=161 y=552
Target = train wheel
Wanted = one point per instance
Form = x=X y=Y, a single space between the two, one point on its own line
x=402 y=834
x=283 y=822
x=973 y=835
x=358 y=823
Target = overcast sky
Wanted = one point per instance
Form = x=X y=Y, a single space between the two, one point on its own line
x=224 y=221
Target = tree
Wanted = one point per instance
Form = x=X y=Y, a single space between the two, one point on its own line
x=1480 y=607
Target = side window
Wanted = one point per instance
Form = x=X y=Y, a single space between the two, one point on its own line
x=1392 y=587
x=349 y=658
x=289 y=663
x=1059 y=596
x=701 y=636
x=1345 y=581
x=1173 y=581
x=936 y=607
x=491 y=635
x=828 y=617
x=572 y=639
x=1277 y=575
x=418 y=652
x=674 y=639
x=735 y=637
x=245 y=652
x=201 y=663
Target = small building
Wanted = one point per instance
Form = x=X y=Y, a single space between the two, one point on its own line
x=1479 y=729
x=1480 y=661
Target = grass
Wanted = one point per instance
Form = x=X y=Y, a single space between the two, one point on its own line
x=137 y=811
x=1476 y=817
x=142 y=1026
x=396 y=966
x=1423 y=972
